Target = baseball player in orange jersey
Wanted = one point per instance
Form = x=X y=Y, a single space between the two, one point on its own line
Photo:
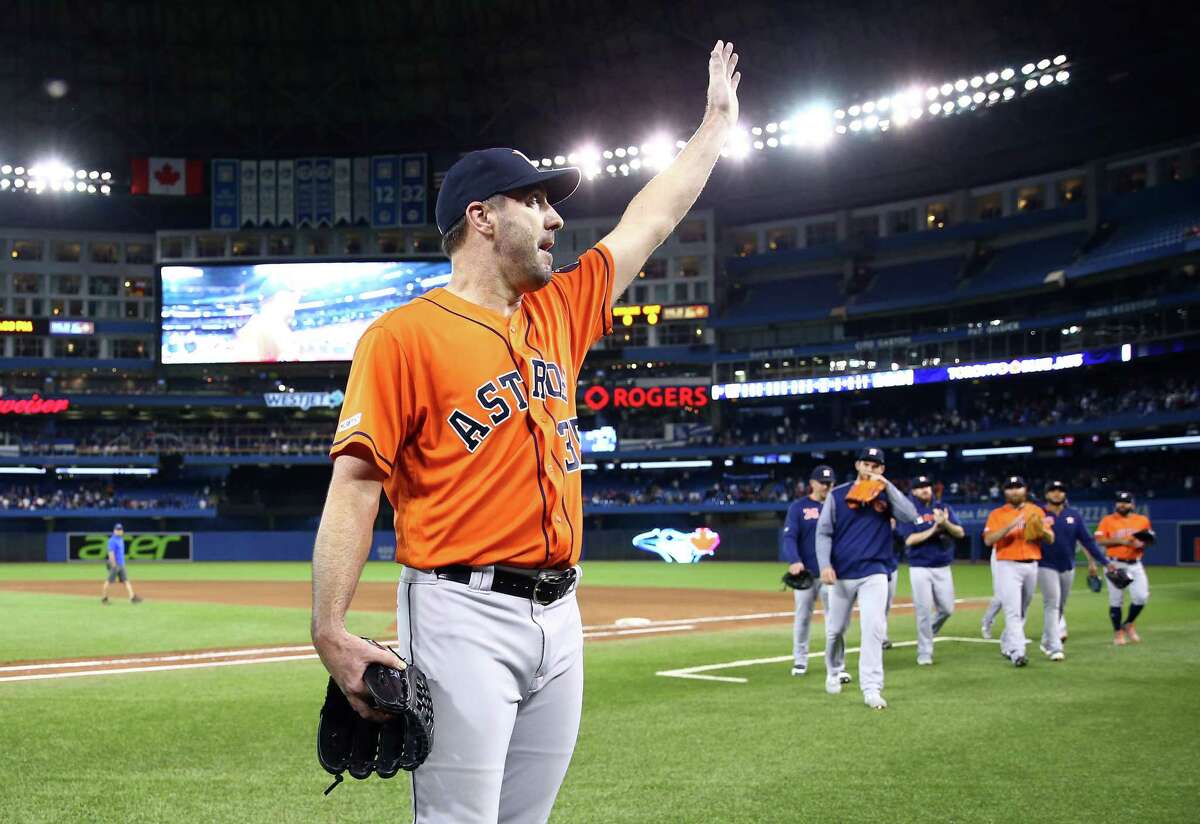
x=1018 y=549
x=1115 y=533
x=461 y=406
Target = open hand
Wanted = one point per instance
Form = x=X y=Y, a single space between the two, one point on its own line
x=723 y=82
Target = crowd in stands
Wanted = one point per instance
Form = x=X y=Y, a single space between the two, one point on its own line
x=38 y=497
x=685 y=490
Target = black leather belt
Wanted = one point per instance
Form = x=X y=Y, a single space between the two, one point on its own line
x=542 y=586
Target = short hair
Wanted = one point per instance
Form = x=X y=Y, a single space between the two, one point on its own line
x=456 y=235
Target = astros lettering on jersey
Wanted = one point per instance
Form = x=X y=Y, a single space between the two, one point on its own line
x=1116 y=525
x=446 y=397
x=1013 y=546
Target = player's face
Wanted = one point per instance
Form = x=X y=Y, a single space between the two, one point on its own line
x=1124 y=508
x=867 y=467
x=924 y=494
x=1056 y=496
x=1015 y=495
x=524 y=234
x=819 y=489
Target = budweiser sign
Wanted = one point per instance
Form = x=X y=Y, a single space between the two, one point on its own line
x=37 y=405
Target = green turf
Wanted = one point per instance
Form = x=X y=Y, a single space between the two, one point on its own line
x=1107 y=736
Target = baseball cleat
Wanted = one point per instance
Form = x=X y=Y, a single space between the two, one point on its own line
x=845 y=677
x=104 y=600
x=1045 y=649
x=874 y=700
x=1119 y=638
x=937 y=625
x=887 y=644
x=1020 y=661
x=833 y=684
x=137 y=599
x=1058 y=656
x=986 y=632
x=799 y=670
x=924 y=662
x=1131 y=634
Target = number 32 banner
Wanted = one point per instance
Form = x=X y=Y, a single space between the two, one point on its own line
x=398 y=191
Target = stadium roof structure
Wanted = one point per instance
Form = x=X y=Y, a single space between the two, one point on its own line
x=107 y=80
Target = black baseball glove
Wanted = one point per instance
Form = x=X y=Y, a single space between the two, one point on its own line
x=348 y=742
x=1093 y=582
x=1146 y=536
x=1119 y=577
x=801 y=580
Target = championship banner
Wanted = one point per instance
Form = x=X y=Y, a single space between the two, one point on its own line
x=343 y=212
x=413 y=199
x=305 y=191
x=266 y=193
x=140 y=546
x=362 y=190
x=285 y=194
x=323 y=191
x=225 y=197
x=385 y=180
x=248 y=211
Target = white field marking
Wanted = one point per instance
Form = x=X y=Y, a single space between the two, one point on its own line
x=632 y=622
x=639 y=631
x=694 y=672
x=160 y=668
x=759 y=616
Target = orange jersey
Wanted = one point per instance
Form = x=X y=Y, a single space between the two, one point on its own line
x=1013 y=546
x=471 y=418
x=1114 y=525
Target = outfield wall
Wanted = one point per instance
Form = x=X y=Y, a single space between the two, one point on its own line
x=1177 y=523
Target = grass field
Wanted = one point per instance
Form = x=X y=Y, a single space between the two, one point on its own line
x=1108 y=735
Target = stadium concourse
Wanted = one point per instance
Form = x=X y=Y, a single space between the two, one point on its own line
x=957 y=244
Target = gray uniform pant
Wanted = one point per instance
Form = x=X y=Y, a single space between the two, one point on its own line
x=933 y=604
x=871 y=594
x=806 y=601
x=1138 y=589
x=506 y=677
x=989 y=615
x=1015 y=582
x=1056 y=588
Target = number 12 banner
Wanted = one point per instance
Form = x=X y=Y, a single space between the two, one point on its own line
x=398 y=190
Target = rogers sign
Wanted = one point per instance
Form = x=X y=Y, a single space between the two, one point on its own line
x=635 y=397
x=37 y=405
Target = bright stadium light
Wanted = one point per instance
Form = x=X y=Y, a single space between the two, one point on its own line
x=1144 y=443
x=927 y=453
x=997 y=450
x=820 y=124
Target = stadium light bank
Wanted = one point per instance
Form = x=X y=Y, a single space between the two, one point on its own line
x=54 y=177
x=819 y=124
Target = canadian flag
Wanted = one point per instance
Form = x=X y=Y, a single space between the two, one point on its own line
x=167 y=176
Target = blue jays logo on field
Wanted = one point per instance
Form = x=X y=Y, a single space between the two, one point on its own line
x=677 y=547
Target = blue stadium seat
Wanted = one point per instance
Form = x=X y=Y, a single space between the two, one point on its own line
x=907 y=285
x=807 y=298
x=1024 y=265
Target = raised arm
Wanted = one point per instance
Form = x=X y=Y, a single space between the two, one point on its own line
x=657 y=209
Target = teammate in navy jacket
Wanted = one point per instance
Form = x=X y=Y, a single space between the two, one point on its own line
x=854 y=549
x=1056 y=569
x=799 y=552
x=930 y=543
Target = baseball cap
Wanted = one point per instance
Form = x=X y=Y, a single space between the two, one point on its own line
x=872 y=453
x=1124 y=497
x=921 y=480
x=1013 y=481
x=479 y=175
x=1056 y=485
x=823 y=473
x=118 y=526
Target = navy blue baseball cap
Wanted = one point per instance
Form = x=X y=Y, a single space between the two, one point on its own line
x=479 y=175
x=872 y=453
x=1054 y=486
x=823 y=473
x=1124 y=497
x=921 y=480
x=117 y=526
x=1013 y=481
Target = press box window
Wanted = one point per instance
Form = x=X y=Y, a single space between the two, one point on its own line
x=1030 y=198
x=26 y=284
x=655 y=269
x=352 y=243
x=427 y=242
x=29 y=347
x=280 y=245
x=865 y=227
x=820 y=234
x=901 y=221
x=245 y=246
x=172 y=248
x=988 y=206
x=937 y=216
x=138 y=287
x=66 y=251
x=140 y=253
x=76 y=348
x=102 y=285
x=390 y=242
x=1070 y=190
x=744 y=243
x=26 y=250
x=66 y=284
x=129 y=349
x=692 y=231
x=104 y=253
x=1126 y=179
x=210 y=246
x=689 y=267
x=781 y=239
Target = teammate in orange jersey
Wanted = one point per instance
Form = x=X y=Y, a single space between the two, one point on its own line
x=461 y=407
x=1115 y=533
x=1017 y=552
